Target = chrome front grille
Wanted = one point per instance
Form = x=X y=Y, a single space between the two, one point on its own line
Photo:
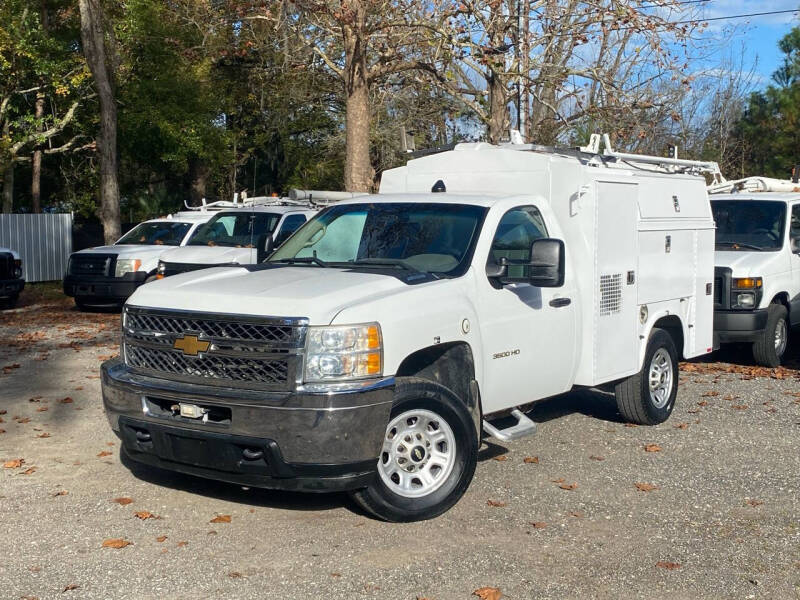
x=238 y=351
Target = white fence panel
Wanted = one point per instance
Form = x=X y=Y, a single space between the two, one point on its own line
x=44 y=243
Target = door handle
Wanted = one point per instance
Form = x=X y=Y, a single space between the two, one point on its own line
x=559 y=302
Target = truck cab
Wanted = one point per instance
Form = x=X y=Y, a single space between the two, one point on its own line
x=11 y=281
x=241 y=236
x=107 y=275
x=373 y=349
x=757 y=270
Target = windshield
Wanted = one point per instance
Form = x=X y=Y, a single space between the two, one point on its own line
x=240 y=230
x=158 y=233
x=429 y=237
x=749 y=224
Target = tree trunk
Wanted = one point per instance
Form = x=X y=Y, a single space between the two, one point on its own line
x=36 y=164
x=8 y=187
x=358 y=173
x=199 y=173
x=498 y=109
x=94 y=48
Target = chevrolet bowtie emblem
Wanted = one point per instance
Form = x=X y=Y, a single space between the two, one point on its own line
x=190 y=345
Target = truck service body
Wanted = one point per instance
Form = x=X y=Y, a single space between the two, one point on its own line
x=109 y=274
x=757 y=272
x=371 y=348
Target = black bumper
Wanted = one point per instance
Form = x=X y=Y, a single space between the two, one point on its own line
x=310 y=441
x=739 y=325
x=11 y=287
x=103 y=289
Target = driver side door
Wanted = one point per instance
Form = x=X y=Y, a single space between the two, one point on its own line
x=794 y=247
x=528 y=332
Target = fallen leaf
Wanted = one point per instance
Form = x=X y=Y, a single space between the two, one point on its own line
x=122 y=501
x=104 y=453
x=702 y=403
x=652 y=448
x=43 y=435
x=144 y=514
x=23 y=420
x=161 y=538
x=645 y=487
x=221 y=519
x=501 y=458
x=71 y=586
x=663 y=564
x=2 y=412
x=693 y=411
x=681 y=426
x=234 y=574
x=559 y=480
x=79 y=388
x=61 y=493
x=576 y=514
x=182 y=544
x=66 y=400
x=116 y=543
x=568 y=486
x=710 y=394
x=740 y=407
x=752 y=502
x=336 y=574
x=41 y=409
x=531 y=460
x=29 y=471
x=488 y=593
x=13 y=464
x=537 y=524
x=495 y=503
x=597 y=458
x=631 y=425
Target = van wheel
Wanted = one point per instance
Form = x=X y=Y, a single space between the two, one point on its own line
x=648 y=397
x=428 y=457
x=768 y=349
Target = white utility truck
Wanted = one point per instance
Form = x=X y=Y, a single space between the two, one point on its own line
x=370 y=351
x=107 y=275
x=757 y=273
x=11 y=281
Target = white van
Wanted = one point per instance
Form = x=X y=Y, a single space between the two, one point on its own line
x=370 y=351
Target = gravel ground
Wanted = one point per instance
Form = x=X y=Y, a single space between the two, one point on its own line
x=722 y=520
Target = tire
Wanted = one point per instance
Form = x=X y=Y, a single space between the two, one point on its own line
x=433 y=486
x=768 y=350
x=82 y=306
x=636 y=402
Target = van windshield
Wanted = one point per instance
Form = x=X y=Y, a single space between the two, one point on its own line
x=749 y=224
x=425 y=237
x=240 y=230
x=158 y=233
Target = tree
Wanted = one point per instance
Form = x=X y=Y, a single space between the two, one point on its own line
x=94 y=26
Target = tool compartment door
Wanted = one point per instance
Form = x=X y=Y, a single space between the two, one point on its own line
x=616 y=343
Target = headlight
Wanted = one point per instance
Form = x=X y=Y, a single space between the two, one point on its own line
x=745 y=300
x=17 y=269
x=343 y=352
x=127 y=265
x=746 y=292
x=161 y=271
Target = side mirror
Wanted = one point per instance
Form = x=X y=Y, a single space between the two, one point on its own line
x=547 y=264
x=264 y=247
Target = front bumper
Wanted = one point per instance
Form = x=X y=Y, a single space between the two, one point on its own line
x=107 y=289
x=308 y=440
x=739 y=325
x=11 y=287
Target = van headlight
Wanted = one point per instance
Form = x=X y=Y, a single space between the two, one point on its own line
x=746 y=292
x=343 y=352
x=127 y=265
x=17 y=269
x=161 y=272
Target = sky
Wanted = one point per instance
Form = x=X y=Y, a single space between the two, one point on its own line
x=758 y=36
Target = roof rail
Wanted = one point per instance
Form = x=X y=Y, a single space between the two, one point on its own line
x=753 y=184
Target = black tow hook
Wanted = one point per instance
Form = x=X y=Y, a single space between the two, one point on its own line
x=250 y=454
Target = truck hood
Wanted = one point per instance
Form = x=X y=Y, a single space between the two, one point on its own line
x=751 y=264
x=315 y=293
x=209 y=255
x=126 y=250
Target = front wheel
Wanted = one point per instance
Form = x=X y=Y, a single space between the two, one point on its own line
x=769 y=348
x=428 y=458
x=648 y=397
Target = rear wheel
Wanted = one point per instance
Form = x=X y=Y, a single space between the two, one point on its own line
x=768 y=350
x=428 y=458
x=648 y=397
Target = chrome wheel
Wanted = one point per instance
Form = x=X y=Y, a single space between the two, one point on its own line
x=781 y=336
x=660 y=378
x=418 y=454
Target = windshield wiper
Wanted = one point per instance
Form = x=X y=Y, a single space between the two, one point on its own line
x=741 y=244
x=303 y=260
x=397 y=263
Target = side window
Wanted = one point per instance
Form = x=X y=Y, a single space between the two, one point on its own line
x=516 y=231
x=290 y=224
x=794 y=231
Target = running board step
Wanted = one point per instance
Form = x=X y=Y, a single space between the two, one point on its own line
x=523 y=427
